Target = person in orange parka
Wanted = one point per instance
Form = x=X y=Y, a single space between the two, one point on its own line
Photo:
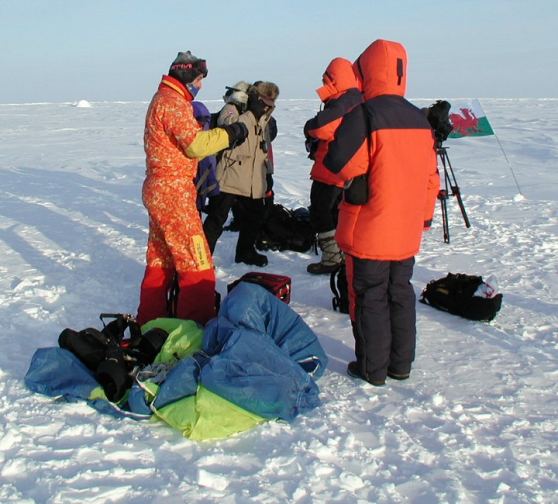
x=173 y=141
x=385 y=151
x=340 y=94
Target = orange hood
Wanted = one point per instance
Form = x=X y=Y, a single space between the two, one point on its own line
x=382 y=69
x=338 y=77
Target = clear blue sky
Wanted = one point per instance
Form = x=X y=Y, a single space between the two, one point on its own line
x=65 y=50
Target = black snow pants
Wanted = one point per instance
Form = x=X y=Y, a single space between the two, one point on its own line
x=250 y=212
x=383 y=315
x=324 y=200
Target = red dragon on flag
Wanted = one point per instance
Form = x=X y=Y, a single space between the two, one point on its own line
x=468 y=119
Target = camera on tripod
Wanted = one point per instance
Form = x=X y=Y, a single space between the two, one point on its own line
x=438 y=117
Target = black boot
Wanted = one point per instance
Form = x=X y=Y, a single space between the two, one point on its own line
x=354 y=371
x=251 y=257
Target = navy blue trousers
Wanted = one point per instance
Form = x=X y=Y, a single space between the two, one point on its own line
x=383 y=315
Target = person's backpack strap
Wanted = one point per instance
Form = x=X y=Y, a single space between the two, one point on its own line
x=204 y=188
x=334 y=290
x=340 y=290
x=201 y=181
x=172 y=298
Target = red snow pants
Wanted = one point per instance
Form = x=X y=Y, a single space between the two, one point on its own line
x=176 y=245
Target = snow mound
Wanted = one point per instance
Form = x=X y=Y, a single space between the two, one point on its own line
x=82 y=104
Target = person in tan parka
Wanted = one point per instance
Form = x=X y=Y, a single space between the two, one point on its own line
x=241 y=173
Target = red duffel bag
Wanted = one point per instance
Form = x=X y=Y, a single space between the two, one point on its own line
x=278 y=285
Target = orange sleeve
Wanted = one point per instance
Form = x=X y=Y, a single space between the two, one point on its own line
x=325 y=131
x=181 y=124
x=348 y=153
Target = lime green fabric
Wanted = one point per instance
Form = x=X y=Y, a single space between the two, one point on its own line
x=207 y=416
x=150 y=390
x=202 y=416
x=219 y=418
x=180 y=414
x=185 y=338
x=97 y=393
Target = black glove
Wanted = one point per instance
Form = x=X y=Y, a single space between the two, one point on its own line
x=237 y=133
x=257 y=106
x=311 y=145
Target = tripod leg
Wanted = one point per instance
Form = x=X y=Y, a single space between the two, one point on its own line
x=457 y=193
x=442 y=196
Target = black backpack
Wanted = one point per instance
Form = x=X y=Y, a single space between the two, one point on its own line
x=455 y=294
x=338 y=285
x=286 y=229
x=110 y=355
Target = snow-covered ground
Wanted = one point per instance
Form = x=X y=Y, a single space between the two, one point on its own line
x=477 y=421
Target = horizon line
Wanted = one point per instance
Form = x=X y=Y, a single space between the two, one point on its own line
x=75 y=102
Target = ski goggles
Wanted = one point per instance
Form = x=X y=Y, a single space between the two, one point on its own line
x=199 y=67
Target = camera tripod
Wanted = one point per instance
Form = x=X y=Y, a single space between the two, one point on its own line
x=450 y=183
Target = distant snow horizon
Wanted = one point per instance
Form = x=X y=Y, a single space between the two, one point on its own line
x=421 y=98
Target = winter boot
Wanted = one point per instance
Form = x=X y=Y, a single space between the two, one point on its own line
x=245 y=246
x=332 y=257
x=251 y=257
x=354 y=371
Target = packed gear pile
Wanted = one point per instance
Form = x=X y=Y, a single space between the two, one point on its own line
x=256 y=361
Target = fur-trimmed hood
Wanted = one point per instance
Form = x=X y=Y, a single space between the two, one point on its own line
x=266 y=89
x=237 y=94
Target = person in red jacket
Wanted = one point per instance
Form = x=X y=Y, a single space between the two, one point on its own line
x=339 y=94
x=384 y=150
x=173 y=142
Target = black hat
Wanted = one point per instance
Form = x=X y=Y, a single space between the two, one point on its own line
x=186 y=67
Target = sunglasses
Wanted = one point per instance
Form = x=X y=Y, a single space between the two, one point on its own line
x=268 y=102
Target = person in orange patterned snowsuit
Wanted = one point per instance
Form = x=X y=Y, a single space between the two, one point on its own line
x=173 y=142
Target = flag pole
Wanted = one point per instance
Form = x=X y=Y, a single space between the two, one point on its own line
x=509 y=164
x=505 y=156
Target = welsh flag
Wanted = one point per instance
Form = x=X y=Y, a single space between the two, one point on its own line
x=468 y=119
